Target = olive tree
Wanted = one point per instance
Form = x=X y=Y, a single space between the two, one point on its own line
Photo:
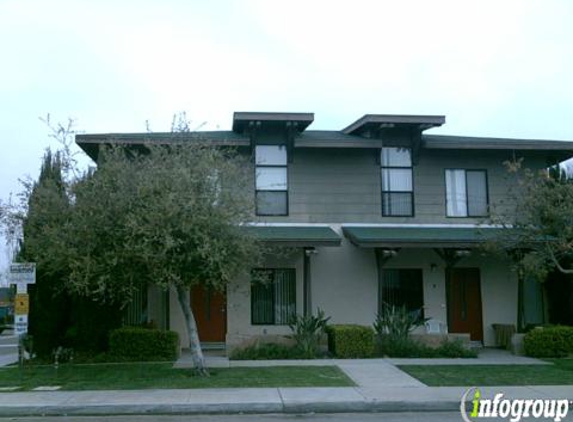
x=168 y=215
x=171 y=215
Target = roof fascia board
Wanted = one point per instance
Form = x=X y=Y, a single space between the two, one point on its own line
x=425 y=121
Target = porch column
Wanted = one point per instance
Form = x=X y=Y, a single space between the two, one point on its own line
x=307 y=282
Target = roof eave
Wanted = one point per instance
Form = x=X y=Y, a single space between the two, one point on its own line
x=422 y=121
x=242 y=118
x=416 y=244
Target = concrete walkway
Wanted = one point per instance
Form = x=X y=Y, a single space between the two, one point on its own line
x=486 y=356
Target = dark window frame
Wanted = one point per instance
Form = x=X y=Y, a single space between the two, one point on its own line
x=381 y=298
x=285 y=166
x=390 y=192
x=292 y=272
x=468 y=215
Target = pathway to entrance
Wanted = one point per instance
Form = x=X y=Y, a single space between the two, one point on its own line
x=369 y=374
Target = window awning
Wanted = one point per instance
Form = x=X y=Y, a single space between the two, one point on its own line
x=416 y=236
x=296 y=235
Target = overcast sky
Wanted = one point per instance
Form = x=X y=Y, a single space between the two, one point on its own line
x=494 y=68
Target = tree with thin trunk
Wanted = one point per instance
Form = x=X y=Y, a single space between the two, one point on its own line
x=171 y=215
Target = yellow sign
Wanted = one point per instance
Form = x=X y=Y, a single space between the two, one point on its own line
x=21 y=304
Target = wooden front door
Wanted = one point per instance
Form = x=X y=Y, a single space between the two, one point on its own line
x=210 y=311
x=464 y=302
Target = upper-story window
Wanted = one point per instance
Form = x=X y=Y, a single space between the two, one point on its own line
x=466 y=193
x=397 y=186
x=271 y=181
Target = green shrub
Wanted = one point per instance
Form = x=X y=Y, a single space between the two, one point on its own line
x=266 y=351
x=143 y=344
x=556 y=341
x=454 y=349
x=350 y=341
x=396 y=347
x=397 y=321
x=307 y=332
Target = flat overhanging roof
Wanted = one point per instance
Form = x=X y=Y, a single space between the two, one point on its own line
x=295 y=236
x=90 y=143
x=416 y=237
x=241 y=119
x=474 y=142
x=322 y=139
x=390 y=121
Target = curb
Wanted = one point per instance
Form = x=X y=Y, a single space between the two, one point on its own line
x=231 y=408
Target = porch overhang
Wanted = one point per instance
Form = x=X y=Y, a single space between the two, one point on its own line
x=419 y=237
x=295 y=236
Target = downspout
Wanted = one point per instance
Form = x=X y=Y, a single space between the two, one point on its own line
x=520 y=304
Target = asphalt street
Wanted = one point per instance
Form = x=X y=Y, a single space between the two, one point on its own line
x=341 y=417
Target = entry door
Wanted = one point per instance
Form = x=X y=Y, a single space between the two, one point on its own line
x=464 y=302
x=209 y=308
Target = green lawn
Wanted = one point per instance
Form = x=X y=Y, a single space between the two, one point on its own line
x=162 y=375
x=561 y=373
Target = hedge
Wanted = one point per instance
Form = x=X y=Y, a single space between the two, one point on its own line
x=266 y=351
x=350 y=341
x=546 y=342
x=143 y=344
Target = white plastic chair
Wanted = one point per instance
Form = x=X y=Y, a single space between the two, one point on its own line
x=435 y=326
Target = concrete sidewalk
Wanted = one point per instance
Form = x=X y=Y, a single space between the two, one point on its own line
x=257 y=400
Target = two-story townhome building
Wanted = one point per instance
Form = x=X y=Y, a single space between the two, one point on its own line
x=378 y=212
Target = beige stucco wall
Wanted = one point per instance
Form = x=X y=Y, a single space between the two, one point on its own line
x=344 y=283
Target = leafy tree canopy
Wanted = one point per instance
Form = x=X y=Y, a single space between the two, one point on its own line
x=539 y=221
x=164 y=215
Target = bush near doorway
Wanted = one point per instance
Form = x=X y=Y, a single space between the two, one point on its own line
x=143 y=344
x=350 y=341
x=549 y=342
